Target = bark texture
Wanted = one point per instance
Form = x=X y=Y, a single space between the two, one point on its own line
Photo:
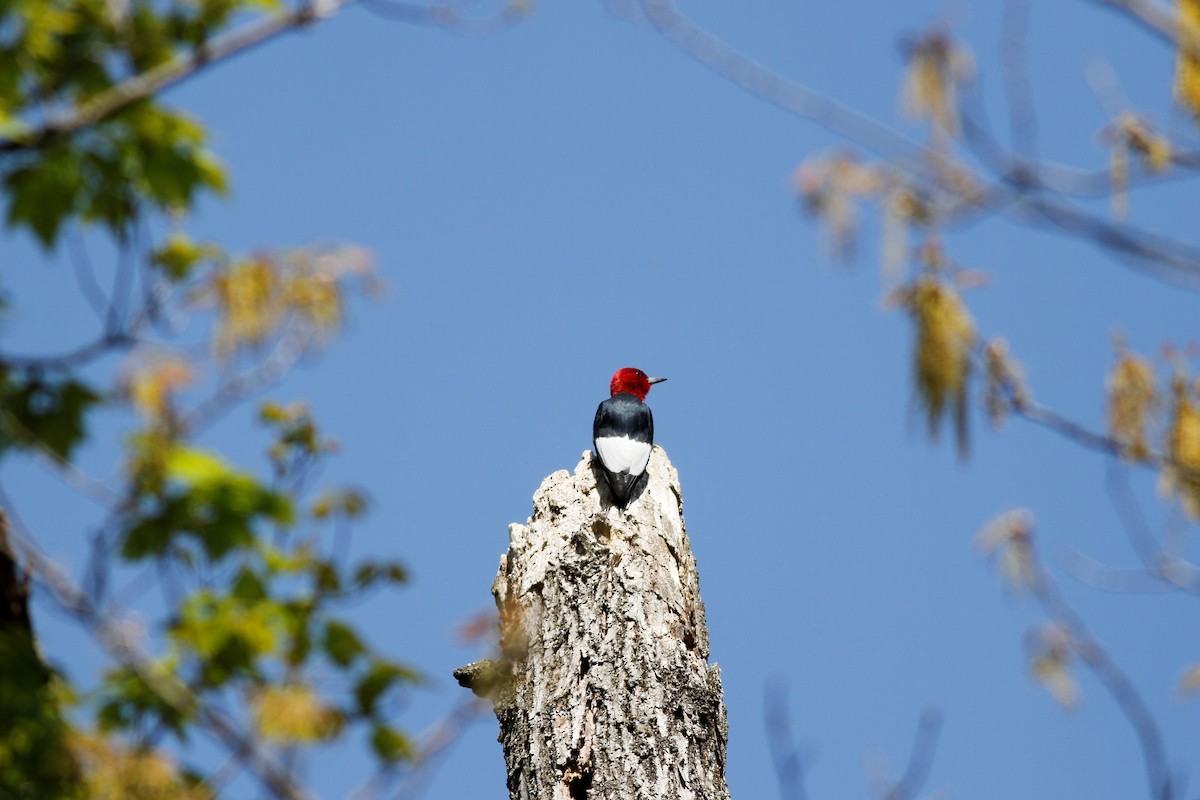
x=604 y=690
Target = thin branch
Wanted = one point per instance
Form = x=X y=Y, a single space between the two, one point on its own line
x=1159 y=18
x=437 y=742
x=1106 y=578
x=1158 y=256
x=785 y=754
x=1110 y=675
x=1018 y=89
x=85 y=275
x=781 y=91
x=72 y=358
x=1174 y=570
x=291 y=347
x=920 y=758
x=1161 y=257
x=169 y=73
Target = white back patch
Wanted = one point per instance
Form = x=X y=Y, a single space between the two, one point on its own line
x=621 y=454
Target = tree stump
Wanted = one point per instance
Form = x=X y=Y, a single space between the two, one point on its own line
x=603 y=690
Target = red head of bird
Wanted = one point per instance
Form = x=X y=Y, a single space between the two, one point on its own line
x=632 y=381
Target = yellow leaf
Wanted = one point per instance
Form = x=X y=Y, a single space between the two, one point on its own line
x=195 y=467
x=292 y=714
x=945 y=336
x=153 y=383
x=1132 y=400
x=1187 y=63
x=1182 y=475
x=113 y=771
x=248 y=301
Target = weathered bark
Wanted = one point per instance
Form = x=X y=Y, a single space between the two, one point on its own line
x=604 y=690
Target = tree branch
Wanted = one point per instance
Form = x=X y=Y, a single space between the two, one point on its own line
x=169 y=73
x=1110 y=675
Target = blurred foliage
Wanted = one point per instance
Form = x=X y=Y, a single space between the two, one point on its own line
x=252 y=647
x=37 y=412
x=936 y=71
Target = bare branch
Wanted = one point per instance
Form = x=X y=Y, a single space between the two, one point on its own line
x=785 y=754
x=1110 y=675
x=437 y=742
x=1018 y=90
x=1158 y=256
x=288 y=351
x=780 y=90
x=73 y=358
x=920 y=758
x=1158 y=17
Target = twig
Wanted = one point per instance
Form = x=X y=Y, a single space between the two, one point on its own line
x=780 y=90
x=85 y=276
x=1160 y=18
x=1155 y=255
x=290 y=348
x=920 y=758
x=785 y=754
x=72 y=358
x=445 y=733
x=1168 y=568
x=1110 y=675
x=1022 y=119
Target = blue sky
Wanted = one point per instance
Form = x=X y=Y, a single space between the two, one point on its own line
x=575 y=196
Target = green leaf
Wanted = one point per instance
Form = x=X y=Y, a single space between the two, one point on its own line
x=44 y=192
x=178 y=255
x=128 y=701
x=341 y=643
x=207 y=501
x=38 y=412
x=390 y=744
x=380 y=677
x=373 y=572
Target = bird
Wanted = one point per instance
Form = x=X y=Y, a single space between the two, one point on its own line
x=623 y=432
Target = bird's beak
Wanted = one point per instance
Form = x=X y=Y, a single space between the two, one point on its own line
x=655 y=380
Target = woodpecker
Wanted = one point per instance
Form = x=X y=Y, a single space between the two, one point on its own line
x=623 y=432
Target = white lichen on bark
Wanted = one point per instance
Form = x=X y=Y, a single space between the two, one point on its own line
x=604 y=690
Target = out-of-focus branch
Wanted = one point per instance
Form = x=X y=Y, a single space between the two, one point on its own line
x=1110 y=675
x=785 y=754
x=74 y=358
x=1158 y=256
x=288 y=351
x=436 y=743
x=169 y=73
x=920 y=758
x=1169 y=260
x=781 y=90
x=1158 y=17
x=453 y=17
x=1018 y=90
x=1167 y=567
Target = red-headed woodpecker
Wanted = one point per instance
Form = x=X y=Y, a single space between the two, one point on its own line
x=623 y=432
